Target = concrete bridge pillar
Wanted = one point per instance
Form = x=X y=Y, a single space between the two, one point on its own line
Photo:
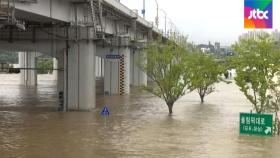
x=143 y=79
x=111 y=75
x=55 y=66
x=133 y=29
x=150 y=39
x=28 y=76
x=137 y=77
x=60 y=74
x=81 y=76
x=117 y=72
x=150 y=34
x=98 y=67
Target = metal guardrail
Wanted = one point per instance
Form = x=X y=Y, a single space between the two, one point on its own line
x=27 y=1
x=7 y=10
x=7 y=13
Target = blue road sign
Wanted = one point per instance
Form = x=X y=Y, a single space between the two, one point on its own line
x=112 y=56
x=105 y=111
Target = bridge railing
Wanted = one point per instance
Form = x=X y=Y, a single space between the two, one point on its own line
x=7 y=10
x=7 y=14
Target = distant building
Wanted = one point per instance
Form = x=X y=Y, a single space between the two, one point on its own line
x=275 y=35
x=216 y=49
x=252 y=34
x=226 y=51
x=206 y=48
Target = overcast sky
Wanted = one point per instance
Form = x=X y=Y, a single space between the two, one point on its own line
x=203 y=20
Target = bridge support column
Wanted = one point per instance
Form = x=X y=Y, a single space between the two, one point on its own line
x=28 y=76
x=117 y=73
x=150 y=39
x=60 y=74
x=55 y=66
x=143 y=79
x=81 y=76
x=137 y=77
x=111 y=76
x=98 y=67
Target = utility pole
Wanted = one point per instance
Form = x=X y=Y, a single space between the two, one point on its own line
x=144 y=9
x=165 y=18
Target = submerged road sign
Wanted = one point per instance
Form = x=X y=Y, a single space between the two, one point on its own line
x=256 y=124
x=105 y=111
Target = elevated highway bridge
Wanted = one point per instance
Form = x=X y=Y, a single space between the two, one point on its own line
x=89 y=39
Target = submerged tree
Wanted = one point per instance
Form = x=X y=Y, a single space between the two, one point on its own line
x=165 y=67
x=257 y=64
x=258 y=72
x=204 y=72
x=274 y=104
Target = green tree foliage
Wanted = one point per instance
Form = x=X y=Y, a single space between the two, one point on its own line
x=274 y=104
x=257 y=64
x=204 y=72
x=44 y=65
x=165 y=67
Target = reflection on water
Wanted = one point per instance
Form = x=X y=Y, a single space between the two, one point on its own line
x=138 y=126
x=15 y=96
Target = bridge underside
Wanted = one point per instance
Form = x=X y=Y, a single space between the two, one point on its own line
x=81 y=50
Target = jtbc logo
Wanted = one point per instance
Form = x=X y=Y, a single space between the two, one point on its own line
x=258 y=14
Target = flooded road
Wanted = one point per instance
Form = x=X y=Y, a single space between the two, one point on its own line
x=138 y=126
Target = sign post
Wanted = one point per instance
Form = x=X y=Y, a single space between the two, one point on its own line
x=256 y=124
x=105 y=111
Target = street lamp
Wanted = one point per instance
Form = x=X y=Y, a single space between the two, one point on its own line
x=144 y=9
x=156 y=20
x=172 y=26
x=165 y=16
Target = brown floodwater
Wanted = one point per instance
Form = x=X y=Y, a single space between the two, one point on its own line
x=138 y=126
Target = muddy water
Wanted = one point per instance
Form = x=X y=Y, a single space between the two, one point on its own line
x=137 y=127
